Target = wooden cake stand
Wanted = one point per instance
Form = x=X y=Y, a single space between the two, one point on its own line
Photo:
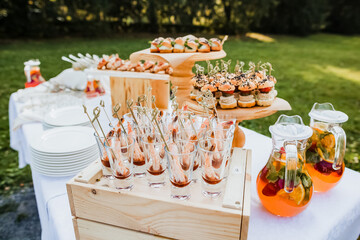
x=241 y=114
x=182 y=63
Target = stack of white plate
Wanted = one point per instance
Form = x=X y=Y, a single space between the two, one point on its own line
x=64 y=151
x=67 y=116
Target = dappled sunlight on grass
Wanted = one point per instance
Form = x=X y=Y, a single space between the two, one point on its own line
x=348 y=74
x=260 y=37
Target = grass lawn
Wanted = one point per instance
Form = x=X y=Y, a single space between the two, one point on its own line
x=319 y=68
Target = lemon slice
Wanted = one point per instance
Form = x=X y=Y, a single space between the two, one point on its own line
x=297 y=195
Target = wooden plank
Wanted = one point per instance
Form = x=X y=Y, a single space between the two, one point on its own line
x=99 y=231
x=76 y=228
x=245 y=219
x=126 y=74
x=70 y=197
x=90 y=173
x=123 y=89
x=234 y=197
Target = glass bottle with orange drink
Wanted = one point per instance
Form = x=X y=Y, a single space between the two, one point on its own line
x=284 y=186
x=326 y=148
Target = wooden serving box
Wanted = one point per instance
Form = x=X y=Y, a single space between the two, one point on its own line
x=102 y=212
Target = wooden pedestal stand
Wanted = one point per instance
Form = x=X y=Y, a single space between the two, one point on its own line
x=182 y=63
x=241 y=114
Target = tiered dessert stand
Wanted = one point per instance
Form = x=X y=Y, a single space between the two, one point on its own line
x=182 y=64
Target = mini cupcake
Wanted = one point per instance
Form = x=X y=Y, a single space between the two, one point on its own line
x=246 y=95
x=227 y=100
x=266 y=93
x=210 y=87
x=198 y=82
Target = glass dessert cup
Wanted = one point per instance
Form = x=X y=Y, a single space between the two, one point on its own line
x=139 y=157
x=120 y=152
x=223 y=135
x=105 y=164
x=180 y=156
x=156 y=164
x=284 y=186
x=214 y=154
x=326 y=147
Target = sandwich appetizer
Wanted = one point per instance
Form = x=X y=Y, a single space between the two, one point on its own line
x=244 y=89
x=186 y=44
x=113 y=62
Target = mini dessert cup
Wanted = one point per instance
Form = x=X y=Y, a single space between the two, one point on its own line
x=154 y=149
x=214 y=154
x=120 y=154
x=180 y=155
x=139 y=157
x=105 y=163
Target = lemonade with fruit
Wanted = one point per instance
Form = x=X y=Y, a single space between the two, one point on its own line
x=270 y=186
x=320 y=159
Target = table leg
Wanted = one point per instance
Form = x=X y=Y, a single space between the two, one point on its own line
x=239 y=136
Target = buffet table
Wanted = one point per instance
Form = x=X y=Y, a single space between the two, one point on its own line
x=331 y=215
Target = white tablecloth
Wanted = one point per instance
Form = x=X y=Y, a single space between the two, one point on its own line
x=331 y=215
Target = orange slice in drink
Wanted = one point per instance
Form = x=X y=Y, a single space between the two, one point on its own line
x=320 y=152
x=297 y=195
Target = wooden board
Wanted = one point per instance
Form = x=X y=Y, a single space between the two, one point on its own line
x=98 y=207
x=176 y=59
x=241 y=114
x=131 y=88
x=125 y=74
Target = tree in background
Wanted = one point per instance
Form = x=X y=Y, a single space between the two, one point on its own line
x=57 y=18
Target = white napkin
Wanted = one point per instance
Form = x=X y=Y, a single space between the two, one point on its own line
x=26 y=116
x=71 y=79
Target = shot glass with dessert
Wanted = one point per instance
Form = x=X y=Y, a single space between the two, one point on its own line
x=156 y=164
x=214 y=154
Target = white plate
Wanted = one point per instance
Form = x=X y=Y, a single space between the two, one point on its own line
x=77 y=154
x=65 y=159
x=66 y=116
x=51 y=166
x=57 y=174
x=61 y=169
x=64 y=140
x=71 y=161
x=82 y=152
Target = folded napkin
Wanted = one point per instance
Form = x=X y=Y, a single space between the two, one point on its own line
x=71 y=79
x=26 y=116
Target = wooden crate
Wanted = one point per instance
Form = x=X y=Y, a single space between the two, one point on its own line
x=102 y=212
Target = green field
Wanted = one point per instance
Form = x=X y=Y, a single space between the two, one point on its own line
x=319 y=68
